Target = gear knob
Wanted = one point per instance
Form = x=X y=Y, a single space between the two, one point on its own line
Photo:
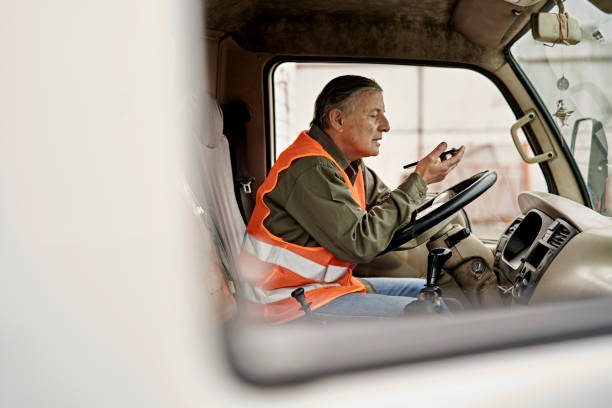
x=435 y=260
x=298 y=294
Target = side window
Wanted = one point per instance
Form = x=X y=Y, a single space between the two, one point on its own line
x=425 y=105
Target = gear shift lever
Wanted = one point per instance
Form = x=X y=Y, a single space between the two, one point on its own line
x=429 y=297
x=300 y=297
x=298 y=294
x=436 y=258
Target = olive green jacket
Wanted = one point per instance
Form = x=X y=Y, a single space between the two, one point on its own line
x=312 y=206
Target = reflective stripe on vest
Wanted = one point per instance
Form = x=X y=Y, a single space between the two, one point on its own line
x=272 y=268
x=292 y=261
x=261 y=296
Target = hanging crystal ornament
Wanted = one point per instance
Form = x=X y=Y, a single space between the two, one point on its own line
x=562 y=83
x=562 y=113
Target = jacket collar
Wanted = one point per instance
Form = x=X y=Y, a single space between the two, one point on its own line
x=334 y=151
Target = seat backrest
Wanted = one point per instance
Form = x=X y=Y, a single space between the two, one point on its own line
x=219 y=183
x=210 y=181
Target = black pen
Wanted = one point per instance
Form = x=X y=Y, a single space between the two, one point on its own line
x=442 y=156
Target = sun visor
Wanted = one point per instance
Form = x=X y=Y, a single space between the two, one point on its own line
x=492 y=23
x=523 y=3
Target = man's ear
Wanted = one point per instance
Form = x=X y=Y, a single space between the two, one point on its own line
x=335 y=120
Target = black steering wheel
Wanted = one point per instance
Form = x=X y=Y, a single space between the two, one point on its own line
x=441 y=207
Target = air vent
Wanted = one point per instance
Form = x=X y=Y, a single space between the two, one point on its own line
x=559 y=237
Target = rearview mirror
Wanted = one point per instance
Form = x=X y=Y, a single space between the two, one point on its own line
x=555 y=28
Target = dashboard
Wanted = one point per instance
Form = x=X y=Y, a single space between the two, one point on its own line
x=526 y=249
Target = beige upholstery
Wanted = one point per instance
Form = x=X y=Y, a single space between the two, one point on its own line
x=210 y=179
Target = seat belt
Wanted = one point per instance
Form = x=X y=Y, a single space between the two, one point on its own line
x=235 y=116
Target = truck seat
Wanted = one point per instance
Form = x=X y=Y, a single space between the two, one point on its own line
x=209 y=185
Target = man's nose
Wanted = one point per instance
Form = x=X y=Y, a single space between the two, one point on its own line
x=384 y=125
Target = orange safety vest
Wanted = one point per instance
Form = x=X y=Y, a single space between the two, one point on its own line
x=272 y=268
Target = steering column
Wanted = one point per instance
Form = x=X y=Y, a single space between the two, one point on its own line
x=471 y=265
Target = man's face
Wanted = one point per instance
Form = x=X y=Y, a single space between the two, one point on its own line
x=362 y=129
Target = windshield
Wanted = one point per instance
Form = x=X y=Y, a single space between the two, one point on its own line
x=575 y=85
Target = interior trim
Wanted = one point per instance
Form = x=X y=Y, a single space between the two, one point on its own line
x=265 y=355
x=550 y=123
x=271 y=65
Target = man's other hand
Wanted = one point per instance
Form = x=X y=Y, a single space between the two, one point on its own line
x=433 y=169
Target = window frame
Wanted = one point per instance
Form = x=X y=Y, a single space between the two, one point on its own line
x=272 y=64
x=548 y=119
x=265 y=363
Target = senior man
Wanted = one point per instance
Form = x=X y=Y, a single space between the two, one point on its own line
x=320 y=211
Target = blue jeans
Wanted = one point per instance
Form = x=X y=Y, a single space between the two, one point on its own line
x=393 y=294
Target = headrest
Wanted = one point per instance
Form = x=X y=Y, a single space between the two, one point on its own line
x=202 y=116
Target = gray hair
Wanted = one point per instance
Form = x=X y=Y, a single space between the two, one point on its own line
x=340 y=93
